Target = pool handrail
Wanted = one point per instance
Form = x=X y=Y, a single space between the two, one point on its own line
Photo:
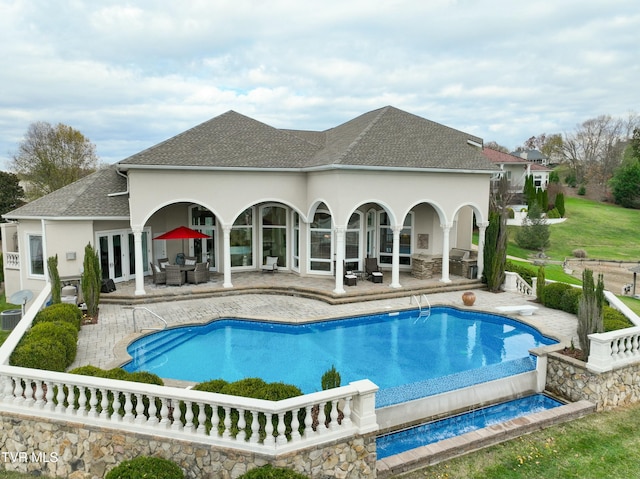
x=135 y=328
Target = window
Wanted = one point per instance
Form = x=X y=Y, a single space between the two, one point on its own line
x=204 y=249
x=274 y=233
x=386 y=240
x=296 y=241
x=321 y=241
x=36 y=260
x=242 y=239
x=352 y=242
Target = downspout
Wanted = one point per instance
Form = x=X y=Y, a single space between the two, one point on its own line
x=121 y=193
x=45 y=257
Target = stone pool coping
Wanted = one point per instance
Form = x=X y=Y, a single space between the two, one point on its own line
x=456 y=446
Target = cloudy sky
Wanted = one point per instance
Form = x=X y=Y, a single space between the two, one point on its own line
x=129 y=74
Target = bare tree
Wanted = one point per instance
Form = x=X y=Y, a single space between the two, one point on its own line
x=50 y=157
x=594 y=150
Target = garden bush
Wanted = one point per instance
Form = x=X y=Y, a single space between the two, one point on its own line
x=270 y=472
x=331 y=379
x=60 y=312
x=579 y=253
x=524 y=272
x=570 y=299
x=614 y=319
x=45 y=353
x=552 y=294
x=146 y=467
x=582 y=190
x=65 y=333
x=553 y=214
x=213 y=386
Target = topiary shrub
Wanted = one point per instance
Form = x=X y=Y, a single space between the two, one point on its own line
x=270 y=472
x=553 y=214
x=552 y=294
x=46 y=353
x=213 y=386
x=65 y=333
x=146 y=467
x=248 y=387
x=60 y=312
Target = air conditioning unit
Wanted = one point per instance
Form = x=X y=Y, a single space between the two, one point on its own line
x=10 y=318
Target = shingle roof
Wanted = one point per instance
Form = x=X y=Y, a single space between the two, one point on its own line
x=508 y=158
x=387 y=137
x=87 y=197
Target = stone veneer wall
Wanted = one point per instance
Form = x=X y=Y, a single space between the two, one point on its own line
x=569 y=378
x=77 y=451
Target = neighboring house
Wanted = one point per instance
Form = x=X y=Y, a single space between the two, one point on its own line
x=517 y=169
x=387 y=184
x=532 y=156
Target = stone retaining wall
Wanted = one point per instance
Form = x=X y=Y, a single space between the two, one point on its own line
x=76 y=451
x=569 y=378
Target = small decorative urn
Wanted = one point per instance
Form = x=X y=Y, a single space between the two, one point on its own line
x=468 y=298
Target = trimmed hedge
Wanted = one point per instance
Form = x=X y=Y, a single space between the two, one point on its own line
x=46 y=353
x=60 y=312
x=119 y=373
x=146 y=467
x=65 y=333
x=614 y=319
x=270 y=472
x=552 y=294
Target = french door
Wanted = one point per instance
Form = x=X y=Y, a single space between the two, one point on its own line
x=112 y=255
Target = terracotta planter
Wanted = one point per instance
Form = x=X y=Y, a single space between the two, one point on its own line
x=468 y=298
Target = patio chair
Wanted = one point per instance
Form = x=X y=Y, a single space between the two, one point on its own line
x=190 y=260
x=162 y=262
x=199 y=275
x=372 y=270
x=349 y=279
x=159 y=276
x=175 y=276
x=271 y=264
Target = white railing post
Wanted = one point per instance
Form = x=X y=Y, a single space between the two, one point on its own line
x=364 y=406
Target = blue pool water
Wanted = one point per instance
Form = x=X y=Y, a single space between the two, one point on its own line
x=429 y=433
x=401 y=353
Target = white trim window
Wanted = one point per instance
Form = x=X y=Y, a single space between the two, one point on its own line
x=321 y=242
x=352 y=242
x=386 y=240
x=296 y=242
x=36 y=255
x=274 y=233
x=242 y=240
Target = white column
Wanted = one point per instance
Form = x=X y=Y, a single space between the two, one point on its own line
x=482 y=230
x=339 y=267
x=446 y=228
x=395 y=257
x=138 y=255
x=226 y=255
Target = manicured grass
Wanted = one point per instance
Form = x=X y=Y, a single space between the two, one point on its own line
x=4 y=305
x=604 y=231
x=602 y=445
x=19 y=475
x=632 y=303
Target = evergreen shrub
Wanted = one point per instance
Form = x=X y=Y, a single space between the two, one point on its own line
x=45 y=353
x=146 y=467
x=614 y=319
x=570 y=300
x=553 y=214
x=552 y=294
x=579 y=253
x=65 y=333
x=60 y=312
x=524 y=272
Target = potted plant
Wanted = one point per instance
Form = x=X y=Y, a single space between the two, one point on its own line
x=91 y=282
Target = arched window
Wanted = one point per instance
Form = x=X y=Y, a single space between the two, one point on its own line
x=242 y=239
x=386 y=240
x=274 y=233
x=352 y=242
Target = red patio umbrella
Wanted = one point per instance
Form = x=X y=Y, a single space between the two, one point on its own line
x=183 y=233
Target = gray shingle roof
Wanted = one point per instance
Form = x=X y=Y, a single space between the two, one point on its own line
x=87 y=197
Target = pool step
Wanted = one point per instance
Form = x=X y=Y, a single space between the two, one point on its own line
x=156 y=347
x=472 y=441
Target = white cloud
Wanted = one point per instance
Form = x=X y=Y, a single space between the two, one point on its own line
x=130 y=74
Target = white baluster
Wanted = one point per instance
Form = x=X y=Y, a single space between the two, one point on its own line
x=188 y=417
x=39 y=395
x=635 y=345
x=104 y=404
x=308 y=422
x=116 y=416
x=28 y=393
x=7 y=389
x=282 y=428
x=128 y=407
x=242 y=423
x=322 y=418
x=60 y=397
x=215 y=421
x=176 y=425
x=333 y=425
x=93 y=402
x=140 y=417
x=227 y=422
x=255 y=427
x=614 y=349
x=18 y=391
x=50 y=403
x=295 y=425
x=164 y=412
x=202 y=419
x=346 y=412
x=268 y=429
x=153 y=411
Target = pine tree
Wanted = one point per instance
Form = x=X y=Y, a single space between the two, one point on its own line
x=559 y=205
x=534 y=233
x=91 y=280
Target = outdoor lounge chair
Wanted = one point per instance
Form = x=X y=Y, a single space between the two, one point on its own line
x=199 y=275
x=271 y=264
x=373 y=270
x=175 y=276
x=159 y=276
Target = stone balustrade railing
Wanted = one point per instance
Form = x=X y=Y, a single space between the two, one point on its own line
x=12 y=260
x=513 y=282
x=268 y=427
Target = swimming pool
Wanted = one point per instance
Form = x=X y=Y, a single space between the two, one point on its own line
x=391 y=349
x=435 y=431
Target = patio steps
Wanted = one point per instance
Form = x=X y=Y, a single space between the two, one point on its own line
x=352 y=295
